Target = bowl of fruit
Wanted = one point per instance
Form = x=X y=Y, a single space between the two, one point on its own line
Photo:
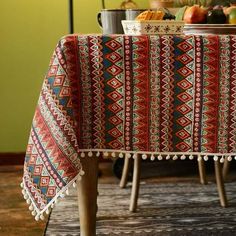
x=208 y=20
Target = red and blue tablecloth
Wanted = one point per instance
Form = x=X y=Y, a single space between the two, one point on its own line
x=163 y=97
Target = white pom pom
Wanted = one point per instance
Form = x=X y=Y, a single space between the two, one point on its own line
x=42 y=217
x=28 y=201
x=31 y=208
x=183 y=157
x=78 y=178
x=159 y=157
x=152 y=157
x=33 y=213
x=90 y=154
x=205 y=158
x=128 y=155
x=21 y=184
x=215 y=158
x=82 y=154
x=113 y=154
x=37 y=217
x=144 y=156
x=52 y=205
x=47 y=211
x=121 y=155
x=175 y=157
x=135 y=155
x=191 y=157
x=74 y=184
x=81 y=172
x=222 y=160
x=98 y=154
x=168 y=157
x=67 y=192
x=229 y=158
x=105 y=154
x=199 y=158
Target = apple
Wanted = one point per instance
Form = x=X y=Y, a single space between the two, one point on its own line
x=195 y=15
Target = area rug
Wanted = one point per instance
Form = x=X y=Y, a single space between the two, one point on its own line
x=166 y=209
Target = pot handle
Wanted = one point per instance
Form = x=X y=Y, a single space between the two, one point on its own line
x=99 y=19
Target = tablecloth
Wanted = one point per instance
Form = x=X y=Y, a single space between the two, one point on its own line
x=163 y=97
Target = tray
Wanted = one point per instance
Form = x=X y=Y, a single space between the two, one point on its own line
x=203 y=29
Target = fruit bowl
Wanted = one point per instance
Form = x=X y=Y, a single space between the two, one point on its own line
x=134 y=27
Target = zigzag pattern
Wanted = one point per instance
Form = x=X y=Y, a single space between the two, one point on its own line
x=232 y=121
x=86 y=80
x=96 y=62
x=167 y=79
x=211 y=95
x=141 y=93
x=224 y=95
x=154 y=93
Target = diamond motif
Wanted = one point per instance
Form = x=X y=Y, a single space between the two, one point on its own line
x=114 y=95
x=113 y=44
x=59 y=80
x=51 y=191
x=184 y=109
x=114 y=83
x=183 y=121
x=115 y=120
x=44 y=181
x=185 y=58
x=184 y=97
x=185 y=46
x=38 y=169
x=185 y=71
x=114 y=108
x=115 y=144
x=115 y=132
x=183 y=134
x=184 y=84
x=114 y=70
x=113 y=57
x=184 y=147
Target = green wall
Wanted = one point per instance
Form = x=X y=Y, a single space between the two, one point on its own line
x=29 y=31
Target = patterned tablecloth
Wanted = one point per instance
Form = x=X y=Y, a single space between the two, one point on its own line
x=158 y=96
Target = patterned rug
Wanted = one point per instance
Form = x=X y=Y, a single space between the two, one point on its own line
x=167 y=209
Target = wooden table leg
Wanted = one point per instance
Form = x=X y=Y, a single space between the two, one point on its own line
x=226 y=168
x=202 y=171
x=87 y=196
x=125 y=172
x=220 y=184
x=135 y=184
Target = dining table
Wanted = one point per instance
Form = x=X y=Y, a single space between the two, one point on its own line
x=158 y=97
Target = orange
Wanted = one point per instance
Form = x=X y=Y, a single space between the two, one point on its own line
x=232 y=16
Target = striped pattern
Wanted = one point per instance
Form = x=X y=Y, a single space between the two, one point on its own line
x=129 y=93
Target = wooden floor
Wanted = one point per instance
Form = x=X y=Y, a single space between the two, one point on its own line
x=16 y=219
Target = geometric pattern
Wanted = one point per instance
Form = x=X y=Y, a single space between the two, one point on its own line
x=143 y=93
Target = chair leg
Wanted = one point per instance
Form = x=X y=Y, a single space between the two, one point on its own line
x=125 y=172
x=87 y=196
x=202 y=172
x=220 y=184
x=226 y=168
x=135 y=184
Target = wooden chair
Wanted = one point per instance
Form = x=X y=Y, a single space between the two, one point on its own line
x=136 y=180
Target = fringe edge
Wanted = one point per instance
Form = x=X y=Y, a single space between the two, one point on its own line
x=39 y=214
x=157 y=155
